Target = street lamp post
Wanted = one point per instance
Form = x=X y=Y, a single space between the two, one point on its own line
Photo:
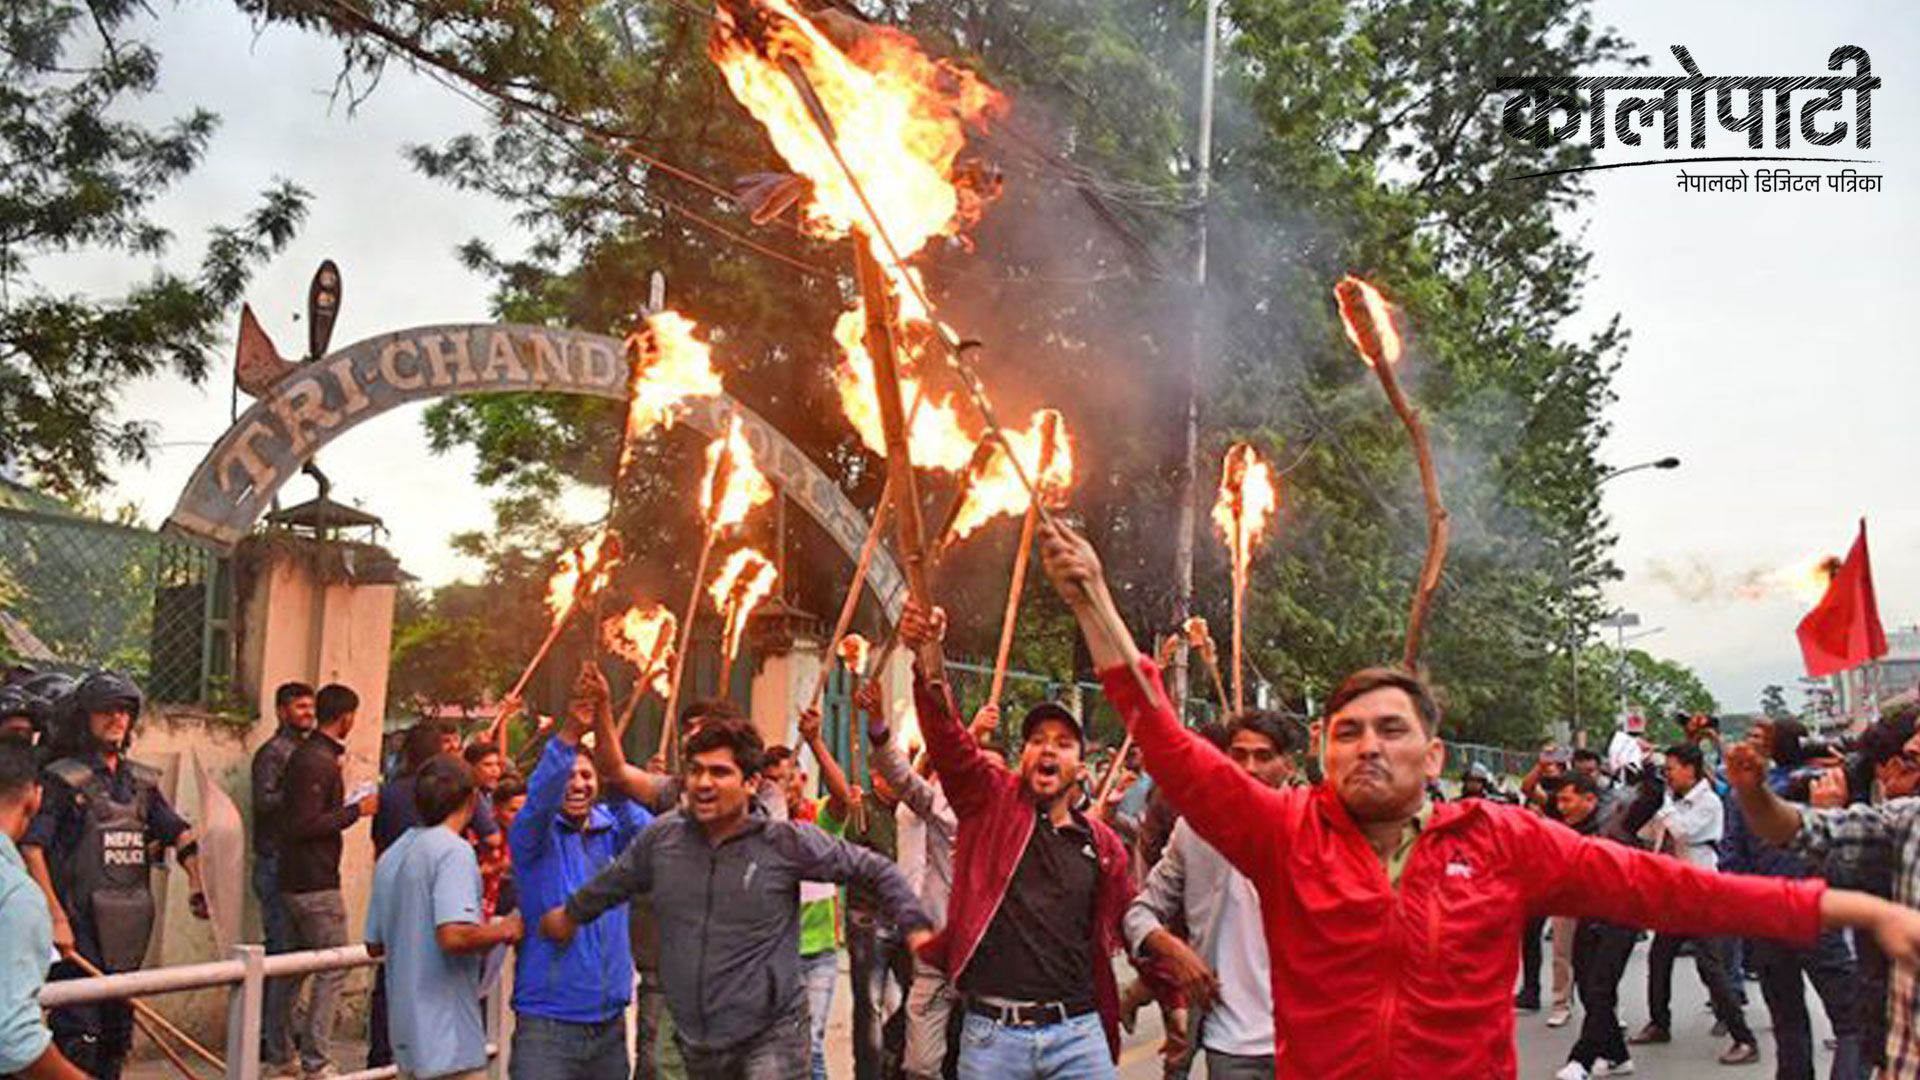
x=1573 y=632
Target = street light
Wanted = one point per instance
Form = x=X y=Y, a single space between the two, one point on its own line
x=1664 y=463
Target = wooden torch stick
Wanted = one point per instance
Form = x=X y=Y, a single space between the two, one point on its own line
x=669 y=722
x=1239 y=609
x=906 y=496
x=873 y=287
x=1113 y=773
x=851 y=604
x=1011 y=617
x=533 y=665
x=1219 y=685
x=1438 y=527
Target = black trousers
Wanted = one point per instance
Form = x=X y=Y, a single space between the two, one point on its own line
x=1830 y=968
x=1600 y=954
x=1530 y=961
x=1711 y=961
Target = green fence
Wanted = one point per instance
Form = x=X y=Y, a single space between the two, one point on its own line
x=77 y=594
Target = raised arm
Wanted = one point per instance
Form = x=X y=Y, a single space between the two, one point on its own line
x=616 y=772
x=887 y=760
x=966 y=774
x=1248 y=822
x=547 y=787
x=840 y=794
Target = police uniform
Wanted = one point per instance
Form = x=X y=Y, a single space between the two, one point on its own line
x=101 y=830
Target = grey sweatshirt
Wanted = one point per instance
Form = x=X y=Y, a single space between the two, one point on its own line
x=729 y=916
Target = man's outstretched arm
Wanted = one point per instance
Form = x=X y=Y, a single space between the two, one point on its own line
x=1248 y=822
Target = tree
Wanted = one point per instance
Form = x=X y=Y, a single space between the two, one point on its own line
x=81 y=177
x=1356 y=138
x=1773 y=702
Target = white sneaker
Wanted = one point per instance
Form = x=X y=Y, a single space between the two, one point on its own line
x=1559 y=1016
x=1603 y=1067
x=1572 y=1070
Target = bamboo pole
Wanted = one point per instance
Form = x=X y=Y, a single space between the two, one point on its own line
x=1011 y=616
x=870 y=274
x=880 y=346
x=669 y=723
x=1240 y=557
x=851 y=605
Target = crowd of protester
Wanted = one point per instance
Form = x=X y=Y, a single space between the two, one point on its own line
x=1296 y=899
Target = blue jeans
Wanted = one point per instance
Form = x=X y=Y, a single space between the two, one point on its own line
x=818 y=972
x=1073 y=1050
x=276 y=1028
x=546 y=1049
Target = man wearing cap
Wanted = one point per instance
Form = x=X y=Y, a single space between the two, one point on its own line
x=1039 y=889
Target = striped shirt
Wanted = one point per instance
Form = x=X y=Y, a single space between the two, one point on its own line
x=1875 y=849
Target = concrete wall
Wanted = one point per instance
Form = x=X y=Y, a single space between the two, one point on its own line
x=293 y=626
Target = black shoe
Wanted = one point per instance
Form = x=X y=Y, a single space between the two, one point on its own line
x=1526 y=1004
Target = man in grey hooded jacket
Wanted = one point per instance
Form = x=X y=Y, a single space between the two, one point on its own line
x=1222 y=970
x=725 y=885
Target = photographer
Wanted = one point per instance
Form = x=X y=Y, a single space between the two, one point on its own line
x=1875 y=847
x=1829 y=964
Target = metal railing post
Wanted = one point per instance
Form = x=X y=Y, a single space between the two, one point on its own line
x=497 y=1030
x=244 y=1005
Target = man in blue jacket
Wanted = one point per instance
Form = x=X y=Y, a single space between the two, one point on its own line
x=570 y=1003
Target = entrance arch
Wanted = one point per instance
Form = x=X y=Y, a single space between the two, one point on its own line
x=319 y=401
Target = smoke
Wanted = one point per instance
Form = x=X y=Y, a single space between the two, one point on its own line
x=1698 y=580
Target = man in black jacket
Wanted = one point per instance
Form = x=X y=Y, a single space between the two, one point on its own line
x=309 y=866
x=293 y=708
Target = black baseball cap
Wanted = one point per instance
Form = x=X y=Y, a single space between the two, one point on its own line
x=1051 y=710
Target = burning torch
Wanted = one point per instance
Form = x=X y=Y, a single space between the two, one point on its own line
x=1245 y=506
x=1368 y=319
x=733 y=485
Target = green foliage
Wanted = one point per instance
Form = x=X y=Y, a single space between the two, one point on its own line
x=1354 y=136
x=1773 y=702
x=80 y=178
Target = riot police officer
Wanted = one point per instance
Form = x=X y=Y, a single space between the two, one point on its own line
x=102 y=823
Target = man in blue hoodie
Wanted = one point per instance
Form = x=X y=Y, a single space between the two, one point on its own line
x=570 y=1003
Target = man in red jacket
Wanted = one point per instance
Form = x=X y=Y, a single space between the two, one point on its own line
x=1038 y=892
x=1393 y=924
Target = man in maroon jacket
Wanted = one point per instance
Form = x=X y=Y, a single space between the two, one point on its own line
x=1393 y=924
x=1039 y=889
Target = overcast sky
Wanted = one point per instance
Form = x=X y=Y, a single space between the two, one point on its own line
x=1769 y=346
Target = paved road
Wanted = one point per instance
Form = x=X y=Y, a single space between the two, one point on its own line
x=1543 y=1050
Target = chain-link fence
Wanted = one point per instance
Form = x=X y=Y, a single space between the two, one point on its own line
x=77 y=593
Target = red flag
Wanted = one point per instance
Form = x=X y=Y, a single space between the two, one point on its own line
x=1844 y=630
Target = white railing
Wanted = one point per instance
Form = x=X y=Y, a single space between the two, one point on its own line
x=247 y=974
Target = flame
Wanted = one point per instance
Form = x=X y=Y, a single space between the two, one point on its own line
x=1198 y=636
x=1368 y=319
x=745 y=581
x=1247 y=501
x=581 y=570
x=666 y=366
x=645 y=639
x=733 y=484
x=1045 y=453
x=898 y=117
x=935 y=437
x=853 y=651
x=906 y=725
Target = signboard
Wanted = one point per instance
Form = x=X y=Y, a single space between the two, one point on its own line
x=323 y=399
